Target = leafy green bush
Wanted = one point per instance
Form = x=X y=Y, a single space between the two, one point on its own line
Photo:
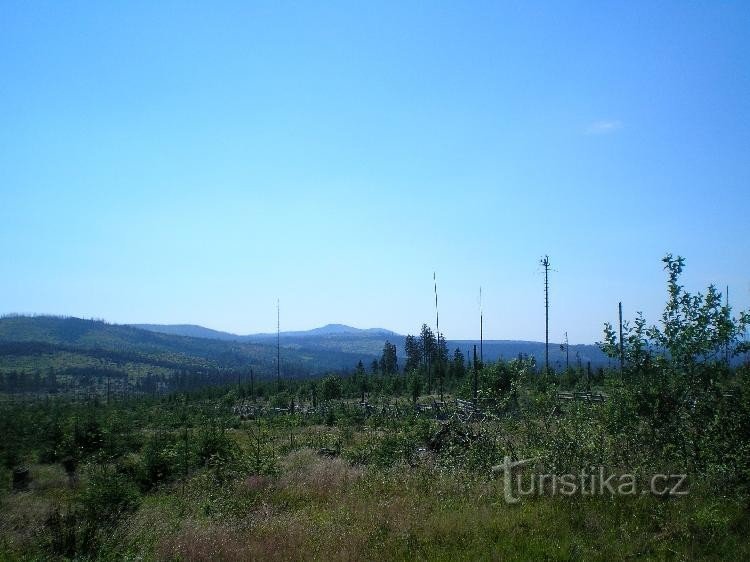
x=396 y=444
x=159 y=463
x=332 y=387
x=672 y=397
x=213 y=441
x=108 y=494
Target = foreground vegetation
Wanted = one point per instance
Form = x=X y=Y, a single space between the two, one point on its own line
x=307 y=469
x=187 y=481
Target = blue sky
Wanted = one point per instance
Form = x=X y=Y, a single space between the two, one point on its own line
x=184 y=162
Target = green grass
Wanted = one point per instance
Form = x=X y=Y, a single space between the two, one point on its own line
x=314 y=507
x=327 y=509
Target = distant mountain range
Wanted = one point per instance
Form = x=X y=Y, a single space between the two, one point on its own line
x=32 y=343
x=37 y=344
x=195 y=331
x=369 y=342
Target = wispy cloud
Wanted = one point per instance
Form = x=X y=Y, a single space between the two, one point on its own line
x=604 y=127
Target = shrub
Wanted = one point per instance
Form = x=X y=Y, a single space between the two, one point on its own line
x=108 y=494
x=671 y=397
x=159 y=463
x=213 y=442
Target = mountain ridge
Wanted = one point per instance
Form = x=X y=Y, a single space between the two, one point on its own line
x=369 y=341
x=328 y=329
x=330 y=347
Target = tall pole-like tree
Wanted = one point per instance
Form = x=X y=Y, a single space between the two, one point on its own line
x=481 y=328
x=545 y=263
x=622 y=348
x=437 y=329
x=428 y=350
x=278 y=343
x=475 y=389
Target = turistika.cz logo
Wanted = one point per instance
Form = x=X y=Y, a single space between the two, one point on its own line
x=588 y=482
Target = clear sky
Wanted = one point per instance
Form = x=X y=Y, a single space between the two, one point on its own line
x=183 y=162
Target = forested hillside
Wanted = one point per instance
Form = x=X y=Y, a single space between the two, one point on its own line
x=369 y=343
x=54 y=353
